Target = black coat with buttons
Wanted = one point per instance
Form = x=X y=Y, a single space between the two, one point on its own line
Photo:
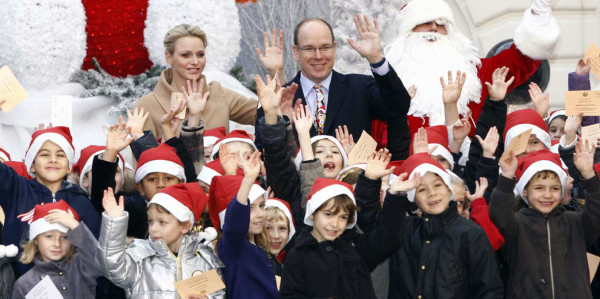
x=341 y=268
x=444 y=256
x=74 y=277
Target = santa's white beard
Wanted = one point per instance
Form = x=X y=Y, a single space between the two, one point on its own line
x=420 y=62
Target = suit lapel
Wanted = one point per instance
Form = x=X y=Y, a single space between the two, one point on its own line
x=337 y=94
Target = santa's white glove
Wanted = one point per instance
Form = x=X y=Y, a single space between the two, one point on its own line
x=208 y=235
x=542 y=7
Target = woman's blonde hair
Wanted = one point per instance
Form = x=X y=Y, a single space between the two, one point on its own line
x=30 y=250
x=182 y=30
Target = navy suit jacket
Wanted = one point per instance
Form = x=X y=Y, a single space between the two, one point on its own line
x=355 y=100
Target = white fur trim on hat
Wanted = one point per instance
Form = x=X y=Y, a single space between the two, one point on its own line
x=322 y=196
x=542 y=135
x=207 y=174
x=440 y=150
x=255 y=193
x=163 y=166
x=286 y=211
x=537 y=36
x=422 y=170
x=174 y=206
x=560 y=112
x=215 y=149
x=315 y=139
x=535 y=168
x=88 y=167
x=209 y=140
x=41 y=226
x=418 y=12
x=58 y=139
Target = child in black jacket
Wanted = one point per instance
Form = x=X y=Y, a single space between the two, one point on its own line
x=443 y=255
x=331 y=259
x=545 y=244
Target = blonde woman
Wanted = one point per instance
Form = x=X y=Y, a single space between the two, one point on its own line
x=185 y=49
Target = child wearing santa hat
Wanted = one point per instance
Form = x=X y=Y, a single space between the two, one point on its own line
x=436 y=138
x=62 y=249
x=171 y=253
x=237 y=206
x=520 y=121
x=48 y=160
x=545 y=244
x=330 y=258
x=237 y=141
x=210 y=138
x=158 y=168
x=556 y=123
x=280 y=225
x=442 y=254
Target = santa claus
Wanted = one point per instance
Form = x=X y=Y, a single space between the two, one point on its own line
x=429 y=45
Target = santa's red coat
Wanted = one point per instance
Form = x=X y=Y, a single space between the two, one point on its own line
x=521 y=67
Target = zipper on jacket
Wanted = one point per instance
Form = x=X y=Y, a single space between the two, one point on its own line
x=178 y=261
x=53 y=197
x=550 y=253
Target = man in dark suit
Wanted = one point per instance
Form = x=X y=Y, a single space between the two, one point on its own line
x=336 y=99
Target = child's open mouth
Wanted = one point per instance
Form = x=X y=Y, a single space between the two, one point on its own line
x=329 y=166
x=435 y=202
x=276 y=245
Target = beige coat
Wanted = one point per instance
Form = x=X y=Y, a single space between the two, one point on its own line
x=223 y=105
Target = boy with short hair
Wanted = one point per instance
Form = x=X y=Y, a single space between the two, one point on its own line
x=49 y=160
x=545 y=244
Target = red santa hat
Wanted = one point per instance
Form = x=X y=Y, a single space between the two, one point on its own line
x=315 y=139
x=322 y=191
x=437 y=137
x=520 y=121
x=222 y=190
x=213 y=169
x=422 y=163
x=417 y=12
x=19 y=167
x=184 y=201
x=556 y=113
x=39 y=225
x=4 y=155
x=285 y=207
x=61 y=136
x=162 y=158
x=394 y=175
x=235 y=135
x=86 y=159
x=213 y=135
x=535 y=162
